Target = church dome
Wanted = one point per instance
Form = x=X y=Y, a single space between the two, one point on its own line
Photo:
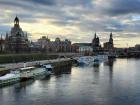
x=57 y=39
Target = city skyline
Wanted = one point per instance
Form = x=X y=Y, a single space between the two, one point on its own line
x=76 y=20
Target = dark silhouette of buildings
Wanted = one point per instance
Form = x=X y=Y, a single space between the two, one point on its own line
x=96 y=44
x=109 y=45
x=16 y=41
x=2 y=44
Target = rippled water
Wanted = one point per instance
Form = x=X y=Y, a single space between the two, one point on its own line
x=114 y=83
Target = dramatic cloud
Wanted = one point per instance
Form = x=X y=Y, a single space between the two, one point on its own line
x=118 y=7
x=77 y=20
x=44 y=2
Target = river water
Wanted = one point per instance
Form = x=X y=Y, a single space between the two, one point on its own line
x=113 y=83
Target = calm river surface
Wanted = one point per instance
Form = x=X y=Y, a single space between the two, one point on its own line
x=114 y=83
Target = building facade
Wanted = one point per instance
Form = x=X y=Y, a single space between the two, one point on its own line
x=84 y=48
x=47 y=45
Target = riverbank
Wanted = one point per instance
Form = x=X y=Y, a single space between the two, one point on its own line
x=14 y=58
x=55 y=62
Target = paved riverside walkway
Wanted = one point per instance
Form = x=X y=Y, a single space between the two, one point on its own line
x=32 y=63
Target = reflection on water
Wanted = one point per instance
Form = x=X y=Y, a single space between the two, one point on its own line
x=24 y=84
x=110 y=64
x=112 y=83
x=63 y=70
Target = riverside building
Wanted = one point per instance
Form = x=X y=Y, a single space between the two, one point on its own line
x=16 y=41
x=58 y=45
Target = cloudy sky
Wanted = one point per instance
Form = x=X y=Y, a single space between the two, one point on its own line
x=76 y=20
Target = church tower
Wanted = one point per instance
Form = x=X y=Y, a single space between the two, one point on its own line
x=111 y=39
x=95 y=36
x=16 y=21
x=96 y=43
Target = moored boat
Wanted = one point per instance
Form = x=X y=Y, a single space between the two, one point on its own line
x=30 y=72
x=26 y=72
x=85 y=60
x=12 y=77
x=48 y=68
x=38 y=72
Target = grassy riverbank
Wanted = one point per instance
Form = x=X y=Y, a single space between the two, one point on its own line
x=13 y=58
